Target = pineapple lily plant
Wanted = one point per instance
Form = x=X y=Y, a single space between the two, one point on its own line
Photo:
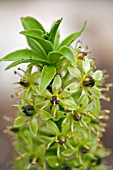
x=59 y=121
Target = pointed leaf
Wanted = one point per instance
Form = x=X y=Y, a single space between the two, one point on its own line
x=98 y=75
x=20 y=120
x=53 y=161
x=74 y=71
x=46 y=45
x=36 y=46
x=33 y=125
x=33 y=62
x=68 y=40
x=86 y=65
x=53 y=128
x=48 y=73
x=73 y=87
x=31 y=23
x=44 y=115
x=67 y=53
x=45 y=139
x=53 y=31
x=22 y=55
x=43 y=104
x=68 y=152
x=56 y=40
x=33 y=33
x=40 y=151
x=54 y=57
x=84 y=101
x=56 y=85
x=68 y=104
x=95 y=92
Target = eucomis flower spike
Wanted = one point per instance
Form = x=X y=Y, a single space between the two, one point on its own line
x=59 y=120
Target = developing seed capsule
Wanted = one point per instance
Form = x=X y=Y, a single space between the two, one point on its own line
x=28 y=110
x=98 y=160
x=85 y=149
x=89 y=81
x=24 y=83
x=54 y=100
x=81 y=55
x=62 y=141
x=15 y=129
x=76 y=117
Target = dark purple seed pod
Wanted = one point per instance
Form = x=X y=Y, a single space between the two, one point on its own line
x=97 y=160
x=28 y=110
x=15 y=129
x=24 y=83
x=62 y=141
x=89 y=81
x=81 y=55
x=54 y=100
x=85 y=150
x=76 y=117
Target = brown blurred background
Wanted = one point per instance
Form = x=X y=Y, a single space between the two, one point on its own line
x=98 y=34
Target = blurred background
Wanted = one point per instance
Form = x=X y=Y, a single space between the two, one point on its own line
x=98 y=35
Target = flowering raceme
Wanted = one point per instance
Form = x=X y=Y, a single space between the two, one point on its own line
x=58 y=122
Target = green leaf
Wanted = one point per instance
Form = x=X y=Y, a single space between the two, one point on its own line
x=95 y=92
x=44 y=115
x=43 y=104
x=52 y=127
x=48 y=73
x=53 y=161
x=37 y=47
x=33 y=62
x=68 y=152
x=75 y=72
x=86 y=65
x=84 y=101
x=35 y=33
x=67 y=53
x=45 y=139
x=20 y=120
x=56 y=40
x=53 y=30
x=22 y=55
x=56 y=85
x=73 y=87
x=40 y=151
x=68 y=104
x=68 y=40
x=31 y=23
x=33 y=125
x=46 y=45
x=54 y=56
x=98 y=75
x=54 y=112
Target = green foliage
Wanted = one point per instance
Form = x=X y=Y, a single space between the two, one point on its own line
x=58 y=124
